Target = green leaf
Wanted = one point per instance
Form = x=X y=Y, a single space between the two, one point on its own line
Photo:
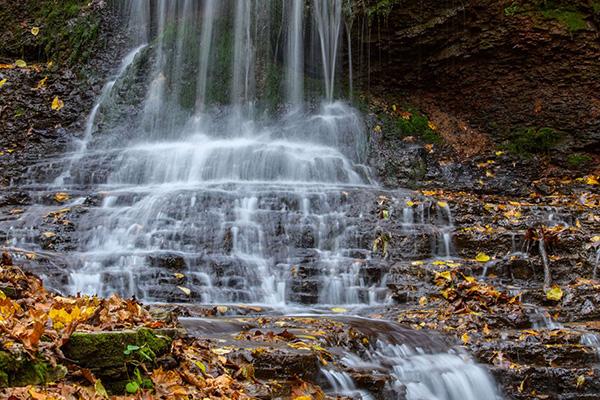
x=132 y=387
x=201 y=366
x=130 y=349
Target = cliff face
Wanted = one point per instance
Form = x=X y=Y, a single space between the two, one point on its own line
x=501 y=66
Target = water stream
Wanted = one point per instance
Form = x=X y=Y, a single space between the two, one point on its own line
x=222 y=152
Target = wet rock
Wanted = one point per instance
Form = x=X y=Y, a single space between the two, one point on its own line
x=103 y=352
x=173 y=262
x=19 y=370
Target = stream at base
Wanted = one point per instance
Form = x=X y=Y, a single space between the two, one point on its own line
x=410 y=364
x=222 y=165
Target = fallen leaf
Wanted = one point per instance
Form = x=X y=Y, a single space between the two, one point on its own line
x=3 y=82
x=442 y=204
x=339 y=310
x=35 y=31
x=465 y=338
x=185 y=290
x=580 y=381
x=41 y=84
x=61 y=197
x=21 y=64
x=482 y=257
x=445 y=275
x=554 y=294
x=57 y=104
x=591 y=180
x=100 y=390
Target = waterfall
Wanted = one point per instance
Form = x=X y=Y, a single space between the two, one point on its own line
x=206 y=46
x=295 y=53
x=328 y=16
x=197 y=184
x=209 y=172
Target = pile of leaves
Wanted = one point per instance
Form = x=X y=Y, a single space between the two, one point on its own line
x=40 y=321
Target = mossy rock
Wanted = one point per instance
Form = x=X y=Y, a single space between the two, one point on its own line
x=103 y=352
x=20 y=370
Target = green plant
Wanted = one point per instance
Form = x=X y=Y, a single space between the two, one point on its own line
x=512 y=9
x=530 y=141
x=411 y=123
x=579 y=160
x=572 y=20
x=138 y=382
x=137 y=356
x=143 y=353
x=381 y=8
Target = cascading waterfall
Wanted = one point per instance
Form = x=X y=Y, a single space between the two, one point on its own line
x=237 y=175
x=214 y=149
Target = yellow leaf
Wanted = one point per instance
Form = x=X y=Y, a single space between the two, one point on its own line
x=21 y=64
x=470 y=279
x=35 y=31
x=100 y=390
x=48 y=235
x=431 y=126
x=417 y=263
x=179 y=276
x=499 y=153
x=61 y=197
x=394 y=107
x=442 y=204
x=41 y=84
x=185 y=290
x=482 y=257
x=57 y=104
x=554 y=294
x=596 y=239
x=410 y=203
x=465 y=338
x=423 y=301
x=522 y=386
x=439 y=262
x=591 y=180
x=222 y=309
x=377 y=129
x=580 y=381
x=3 y=82
x=339 y=310
x=445 y=275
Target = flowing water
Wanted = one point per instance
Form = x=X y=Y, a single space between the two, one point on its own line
x=222 y=152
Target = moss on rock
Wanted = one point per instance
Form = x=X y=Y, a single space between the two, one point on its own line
x=103 y=352
x=20 y=370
